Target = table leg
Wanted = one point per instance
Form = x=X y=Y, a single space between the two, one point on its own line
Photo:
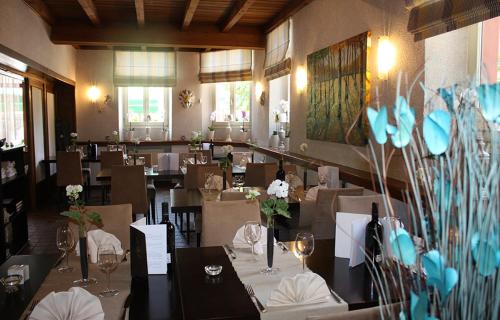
x=187 y=227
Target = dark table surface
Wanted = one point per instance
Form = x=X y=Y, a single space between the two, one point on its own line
x=105 y=174
x=13 y=305
x=84 y=159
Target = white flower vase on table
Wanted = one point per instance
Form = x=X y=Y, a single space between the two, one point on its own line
x=228 y=132
x=274 y=141
x=130 y=135
x=211 y=134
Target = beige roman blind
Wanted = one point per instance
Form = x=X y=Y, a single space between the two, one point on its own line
x=144 y=69
x=436 y=17
x=226 y=66
x=278 y=63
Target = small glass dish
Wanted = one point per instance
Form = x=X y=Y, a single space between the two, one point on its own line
x=11 y=282
x=213 y=270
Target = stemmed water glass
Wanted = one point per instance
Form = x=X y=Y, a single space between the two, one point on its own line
x=65 y=241
x=252 y=232
x=304 y=246
x=107 y=261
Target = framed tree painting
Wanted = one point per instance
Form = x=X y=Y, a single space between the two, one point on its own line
x=337 y=92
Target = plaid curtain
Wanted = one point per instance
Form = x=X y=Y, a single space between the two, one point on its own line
x=226 y=66
x=144 y=69
x=442 y=16
x=278 y=43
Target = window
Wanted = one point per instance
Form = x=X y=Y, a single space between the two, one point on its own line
x=233 y=98
x=11 y=108
x=279 y=102
x=145 y=104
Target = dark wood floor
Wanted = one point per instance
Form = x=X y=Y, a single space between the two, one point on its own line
x=43 y=223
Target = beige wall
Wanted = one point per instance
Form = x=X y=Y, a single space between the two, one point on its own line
x=24 y=32
x=325 y=22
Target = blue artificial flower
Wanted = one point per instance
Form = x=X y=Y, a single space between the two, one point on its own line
x=448 y=95
x=405 y=119
x=437 y=127
x=485 y=253
x=378 y=123
x=489 y=99
x=418 y=307
x=402 y=246
x=438 y=275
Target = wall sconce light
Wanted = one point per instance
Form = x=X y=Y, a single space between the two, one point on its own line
x=260 y=94
x=93 y=93
x=301 y=79
x=386 y=57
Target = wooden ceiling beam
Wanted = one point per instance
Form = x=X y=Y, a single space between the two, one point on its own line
x=41 y=9
x=238 y=11
x=191 y=6
x=289 y=11
x=162 y=35
x=89 y=7
x=139 y=12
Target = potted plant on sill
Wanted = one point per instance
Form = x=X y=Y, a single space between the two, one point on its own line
x=211 y=127
x=275 y=205
x=130 y=132
x=79 y=214
x=196 y=139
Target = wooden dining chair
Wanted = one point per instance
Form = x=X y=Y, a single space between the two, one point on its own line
x=242 y=158
x=316 y=215
x=221 y=220
x=260 y=174
x=190 y=156
x=150 y=186
x=69 y=171
x=194 y=177
x=361 y=204
x=116 y=219
x=128 y=185
x=206 y=153
x=108 y=160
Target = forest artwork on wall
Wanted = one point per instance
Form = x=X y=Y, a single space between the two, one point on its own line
x=338 y=91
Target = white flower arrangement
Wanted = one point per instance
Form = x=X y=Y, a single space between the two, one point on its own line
x=303 y=147
x=285 y=106
x=73 y=191
x=252 y=194
x=278 y=188
x=73 y=135
x=213 y=117
x=227 y=149
x=116 y=137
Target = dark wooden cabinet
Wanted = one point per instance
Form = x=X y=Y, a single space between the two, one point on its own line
x=13 y=218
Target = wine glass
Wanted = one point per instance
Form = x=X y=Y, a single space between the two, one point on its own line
x=252 y=232
x=107 y=261
x=304 y=246
x=203 y=159
x=65 y=241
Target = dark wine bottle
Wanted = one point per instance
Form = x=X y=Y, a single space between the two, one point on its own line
x=374 y=238
x=170 y=236
x=212 y=146
x=280 y=174
x=89 y=150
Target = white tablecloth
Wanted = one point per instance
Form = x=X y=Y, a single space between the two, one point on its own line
x=248 y=270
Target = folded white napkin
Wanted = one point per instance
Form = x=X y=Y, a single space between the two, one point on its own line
x=240 y=242
x=74 y=304
x=301 y=289
x=97 y=237
x=312 y=193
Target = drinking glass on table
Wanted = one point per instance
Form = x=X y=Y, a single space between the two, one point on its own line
x=107 y=261
x=65 y=241
x=304 y=246
x=252 y=232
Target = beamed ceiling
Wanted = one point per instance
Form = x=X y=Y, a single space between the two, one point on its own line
x=180 y=24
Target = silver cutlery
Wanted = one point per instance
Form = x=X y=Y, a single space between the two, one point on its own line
x=254 y=298
x=283 y=246
x=31 y=308
x=335 y=295
x=230 y=251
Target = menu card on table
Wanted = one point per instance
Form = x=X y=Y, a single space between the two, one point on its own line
x=350 y=236
x=151 y=240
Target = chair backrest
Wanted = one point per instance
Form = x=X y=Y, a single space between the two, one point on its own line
x=69 y=168
x=148 y=158
x=168 y=161
x=206 y=153
x=221 y=220
x=361 y=204
x=242 y=158
x=372 y=313
x=128 y=185
x=260 y=174
x=290 y=168
x=195 y=175
x=191 y=156
x=232 y=195
x=111 y=158
x=323 y=226
x=332 y=176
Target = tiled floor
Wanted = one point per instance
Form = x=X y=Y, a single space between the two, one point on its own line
x=43 y=223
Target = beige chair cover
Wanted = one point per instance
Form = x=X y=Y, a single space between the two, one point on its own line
x=111 y=158
x=318 y=214
x=242 y=158
x=221 y=220
x=361 y=314
x=232 y=195
x=361 y=204
x=207 y=153
x=128 y=185
x=195 y=175
x=69 y=168
x=260 y=174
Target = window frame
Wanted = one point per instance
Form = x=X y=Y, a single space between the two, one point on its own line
x=223 y=124
x=167 y=101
